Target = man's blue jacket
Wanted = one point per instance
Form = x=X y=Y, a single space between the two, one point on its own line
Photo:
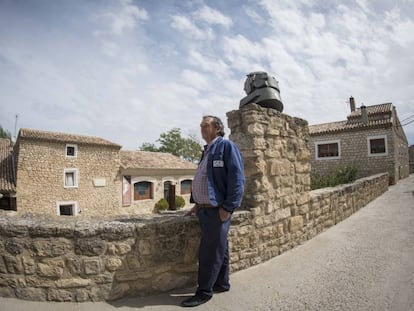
x=225 y=172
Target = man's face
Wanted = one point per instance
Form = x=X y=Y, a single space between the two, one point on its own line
x=208 y=131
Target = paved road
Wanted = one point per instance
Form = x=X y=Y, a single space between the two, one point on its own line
x=364 y=263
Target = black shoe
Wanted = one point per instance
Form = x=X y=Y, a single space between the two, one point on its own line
x=220 y=289
x=195 y=300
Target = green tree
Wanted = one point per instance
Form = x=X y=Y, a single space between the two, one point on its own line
x=172 y=142
x=148 y=147
x=4 y=133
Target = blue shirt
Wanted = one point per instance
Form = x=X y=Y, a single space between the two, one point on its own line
x=225 y=173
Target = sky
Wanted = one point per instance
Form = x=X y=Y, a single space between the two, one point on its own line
x=129 y=70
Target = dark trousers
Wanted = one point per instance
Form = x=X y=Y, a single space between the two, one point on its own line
x=213 y=258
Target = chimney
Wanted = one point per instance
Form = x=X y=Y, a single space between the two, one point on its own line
x=364 y=114
x=352 y=103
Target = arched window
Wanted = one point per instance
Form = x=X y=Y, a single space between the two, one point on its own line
x=186 y=186
x=143 y=190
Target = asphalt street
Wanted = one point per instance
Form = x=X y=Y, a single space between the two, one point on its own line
x=364 y=263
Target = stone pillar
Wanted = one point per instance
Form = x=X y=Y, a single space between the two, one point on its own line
x=276 y=161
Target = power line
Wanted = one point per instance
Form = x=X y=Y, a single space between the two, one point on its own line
x=407 y=118
x=407 y=123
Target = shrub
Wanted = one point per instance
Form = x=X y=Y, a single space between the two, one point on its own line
x=179 y=202
x=342 y=175
x=161 y=205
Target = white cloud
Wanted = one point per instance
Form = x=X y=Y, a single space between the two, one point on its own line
x=253 y=15
x=403 y=30
x=153 y=66
x=212 y=16
x=124 y=16
x=190 y=30
x=207 y=64
x=195 y=79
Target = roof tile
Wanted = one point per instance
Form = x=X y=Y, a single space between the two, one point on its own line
x=378 y=115
x=153 y=160
x=6 y=167
x=63 y=137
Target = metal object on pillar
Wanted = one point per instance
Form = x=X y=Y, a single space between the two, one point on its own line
x=263 y=90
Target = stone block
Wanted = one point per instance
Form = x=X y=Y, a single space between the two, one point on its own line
x=103 y=278
x=29 y=293
x=6 y=292
x=51 y=268
x=122 y=248
x=74 y=282
x=29 y=265
x=13 y=229
x=113 y=263
x=14 y=264
x=14 y=246
x=81 y=295
x=36 y=281
x=90 y=247
x=3 y=268
x=282 y=213
x=74 y=265
x=51 y=247
x=280 y=229
x=92 y=266
x=295 y=224
x=59 y=295
x=145 y=247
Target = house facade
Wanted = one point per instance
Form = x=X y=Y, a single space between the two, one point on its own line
x=411 y=158
x=65 y=174
x=149 y=176
x=371 y=139
x=7 y=184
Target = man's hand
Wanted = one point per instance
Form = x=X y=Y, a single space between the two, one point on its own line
x=193 y=211
x=224 y=215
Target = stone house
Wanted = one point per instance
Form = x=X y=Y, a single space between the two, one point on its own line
x=7 y=185
x=149 y=176
x=411 y=158
x=65 y=174
x=371 y=138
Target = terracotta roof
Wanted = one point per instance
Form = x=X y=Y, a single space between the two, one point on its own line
x=372 y=110
x=6 y=167
x=63 y=137
x=153 y=160
x=378 y=116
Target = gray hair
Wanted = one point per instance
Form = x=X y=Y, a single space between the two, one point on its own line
x=217 y=124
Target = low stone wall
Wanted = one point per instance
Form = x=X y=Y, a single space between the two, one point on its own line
x=76 y=259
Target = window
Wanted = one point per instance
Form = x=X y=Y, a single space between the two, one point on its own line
x=70 y=178
x=142 y=190
x=186 y=186
x=71 y=151
x=328 y=150
x=377 y=145
x=67 y=208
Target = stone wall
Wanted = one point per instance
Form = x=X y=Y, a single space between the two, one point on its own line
x=80 y=259
x=74 y=259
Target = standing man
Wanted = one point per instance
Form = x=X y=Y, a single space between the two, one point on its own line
x=217 y=191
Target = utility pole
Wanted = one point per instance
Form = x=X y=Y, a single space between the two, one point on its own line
x=15 y=126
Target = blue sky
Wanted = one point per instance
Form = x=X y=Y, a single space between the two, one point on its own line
x=128 y=70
